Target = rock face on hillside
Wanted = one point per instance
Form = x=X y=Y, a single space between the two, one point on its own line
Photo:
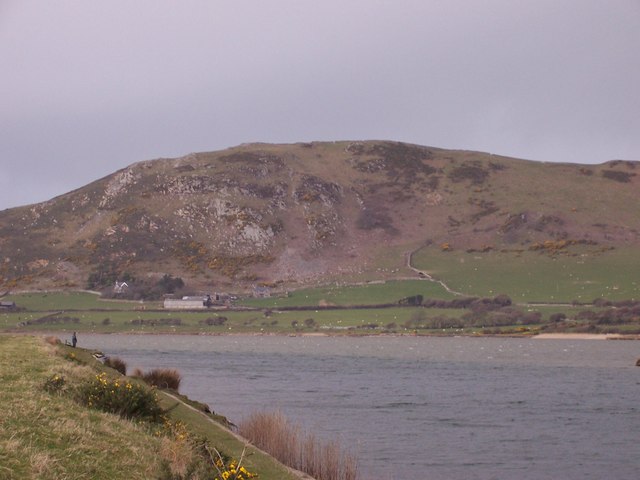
x=308 y=213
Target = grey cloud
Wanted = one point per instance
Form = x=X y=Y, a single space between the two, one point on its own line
x=90 y=87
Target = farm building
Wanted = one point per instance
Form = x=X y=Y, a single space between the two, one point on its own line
x=120 y=287
x=188 y=303
x=260 y=291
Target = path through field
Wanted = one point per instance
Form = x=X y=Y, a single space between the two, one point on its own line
x=424 y=275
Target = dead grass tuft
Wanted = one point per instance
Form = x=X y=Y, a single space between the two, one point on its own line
x=41 y=463
x=178 y=458
x=160 y=377
x=117 y=364
x=52 y=340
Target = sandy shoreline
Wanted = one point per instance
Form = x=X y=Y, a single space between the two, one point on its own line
x=584 y=336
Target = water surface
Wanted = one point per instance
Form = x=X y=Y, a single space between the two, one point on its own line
x=424 y=407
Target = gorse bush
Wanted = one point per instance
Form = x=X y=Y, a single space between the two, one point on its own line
x=233 y=472
x=160 y=377
x=72 y=357
x=230 y=469
x=194 y=459
x=123 y=398
x=54 y=384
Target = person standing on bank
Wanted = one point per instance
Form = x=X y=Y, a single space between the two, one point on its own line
x=74 y=340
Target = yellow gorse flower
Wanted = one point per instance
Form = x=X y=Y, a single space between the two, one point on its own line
x=231 y=471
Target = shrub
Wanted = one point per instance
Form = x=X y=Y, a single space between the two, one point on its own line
x=154 y=322
x=51 y=340
x=215 y=321
x=169 y=284
x=530 y=318
x=411 y=300
x=474 y=172
x=104 y=275
x=161 y=378
x=71 y=356
x=54 y=384
x=123 y=398
x=230 y=469
x=502 y=300
x=370 y=219
x=623 y=177
x=52 y=319
x=117 y=364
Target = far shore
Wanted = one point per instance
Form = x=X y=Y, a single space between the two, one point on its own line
x=585 y=336
x=539 y=336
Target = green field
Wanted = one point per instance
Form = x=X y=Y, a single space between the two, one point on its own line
x=326 y=320
x=536 y=277
x=356 y=309
x=53 y=301
x=346 y=295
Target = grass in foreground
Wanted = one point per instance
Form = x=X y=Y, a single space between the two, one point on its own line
x=46 y=433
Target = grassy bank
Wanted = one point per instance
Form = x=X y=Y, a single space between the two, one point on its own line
x=45 y=432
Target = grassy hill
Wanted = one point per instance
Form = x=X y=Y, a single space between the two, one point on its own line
x=46 y=433
x=305 y=215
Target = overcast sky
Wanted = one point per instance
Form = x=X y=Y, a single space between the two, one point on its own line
x=89 y=87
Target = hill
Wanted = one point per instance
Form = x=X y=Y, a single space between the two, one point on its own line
x=313 y=213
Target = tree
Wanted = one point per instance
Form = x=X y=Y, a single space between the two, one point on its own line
x=169 y=284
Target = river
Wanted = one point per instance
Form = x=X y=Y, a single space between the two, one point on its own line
x=424 y=408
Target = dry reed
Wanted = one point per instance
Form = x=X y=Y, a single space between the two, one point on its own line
x=273 y=433
x=160 y=377
x=117 y=364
